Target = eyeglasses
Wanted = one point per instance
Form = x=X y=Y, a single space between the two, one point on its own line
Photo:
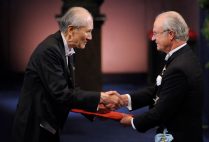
x=156 y=34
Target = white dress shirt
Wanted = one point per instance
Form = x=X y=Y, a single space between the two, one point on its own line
x=68 y=51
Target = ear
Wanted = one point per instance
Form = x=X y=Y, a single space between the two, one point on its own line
x=70 y=29
x=171 y=35
x=69 y=32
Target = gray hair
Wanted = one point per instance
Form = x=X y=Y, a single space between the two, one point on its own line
x=176 y=23
x=75 y=16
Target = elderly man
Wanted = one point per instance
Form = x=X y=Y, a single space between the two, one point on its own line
x=176 y=99
x=49 y=92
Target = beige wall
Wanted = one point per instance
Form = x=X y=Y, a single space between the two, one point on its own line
x=31 y=22
x=124 y=37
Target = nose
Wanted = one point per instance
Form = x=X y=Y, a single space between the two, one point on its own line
x=153 y=38
x=89 y=36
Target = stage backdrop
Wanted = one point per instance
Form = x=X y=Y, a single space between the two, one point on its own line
x=124 y=32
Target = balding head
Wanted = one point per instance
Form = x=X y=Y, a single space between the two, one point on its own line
x=75 y=16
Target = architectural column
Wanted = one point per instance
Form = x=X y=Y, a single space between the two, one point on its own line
x=88 y=60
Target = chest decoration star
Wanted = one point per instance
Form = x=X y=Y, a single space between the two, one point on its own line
x=158 y=80
x=156 y=99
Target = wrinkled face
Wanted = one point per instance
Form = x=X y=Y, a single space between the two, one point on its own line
x=79 y=36
x=161 y=36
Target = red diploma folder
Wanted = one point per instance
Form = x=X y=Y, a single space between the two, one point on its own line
x=111 y=115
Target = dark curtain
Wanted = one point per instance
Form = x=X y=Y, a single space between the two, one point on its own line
x=204 y=57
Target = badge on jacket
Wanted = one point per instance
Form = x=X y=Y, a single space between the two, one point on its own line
x=158 y=80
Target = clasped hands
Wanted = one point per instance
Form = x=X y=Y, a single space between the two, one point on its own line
x=112 y=100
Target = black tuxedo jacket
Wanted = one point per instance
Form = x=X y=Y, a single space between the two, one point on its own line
x=48 y=92
x=179 y=107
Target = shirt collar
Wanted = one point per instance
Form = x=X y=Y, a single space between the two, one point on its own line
x=68 y=51
x=173 y=51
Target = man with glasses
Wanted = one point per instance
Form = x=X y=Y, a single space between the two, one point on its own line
x=176 y=98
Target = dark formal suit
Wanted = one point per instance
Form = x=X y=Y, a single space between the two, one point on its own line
x=180 y=99
x=48 y=94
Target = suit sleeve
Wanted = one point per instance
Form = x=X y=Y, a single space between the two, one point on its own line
x=142 y=97
x=171 y=96
x=50 y=67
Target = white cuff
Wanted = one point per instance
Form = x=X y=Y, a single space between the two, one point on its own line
x=129 y=102
x=132 y=124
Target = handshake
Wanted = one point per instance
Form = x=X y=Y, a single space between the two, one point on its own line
x=111 y=100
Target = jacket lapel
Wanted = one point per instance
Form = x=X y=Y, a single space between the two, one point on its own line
x=69 y=77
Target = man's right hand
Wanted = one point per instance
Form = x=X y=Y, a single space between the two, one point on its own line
x=110 y=101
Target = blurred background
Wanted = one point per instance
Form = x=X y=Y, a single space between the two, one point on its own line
x=120 y=57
